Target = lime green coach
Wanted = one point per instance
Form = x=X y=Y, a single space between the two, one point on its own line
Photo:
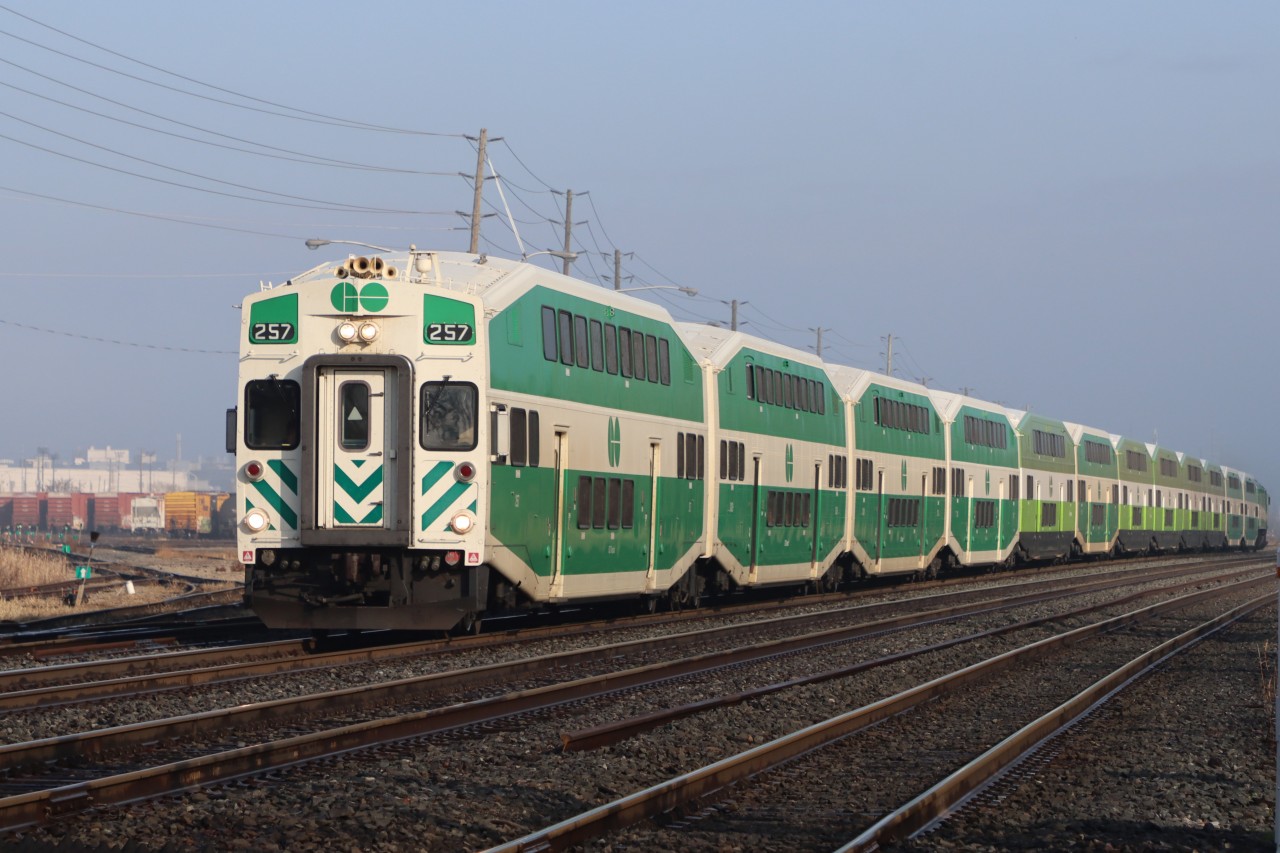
x=1046 y=503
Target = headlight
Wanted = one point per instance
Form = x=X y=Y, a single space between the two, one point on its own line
x=368 y=331
x=255 y=521
x=347 y=332
x=462 y=523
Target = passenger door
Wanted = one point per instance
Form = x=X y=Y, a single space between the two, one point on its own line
x=355 y=477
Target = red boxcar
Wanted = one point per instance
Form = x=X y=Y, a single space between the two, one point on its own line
x=59 y=512
x=6 y=511
x=82 y=510
x=106 y=512
x=28 y=511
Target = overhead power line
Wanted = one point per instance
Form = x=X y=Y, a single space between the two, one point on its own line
x=164 y=218
x=335 y=204
x=286 y=154
x=302 y=115
x=131 y=276
x=321 y=206
x=116 y=342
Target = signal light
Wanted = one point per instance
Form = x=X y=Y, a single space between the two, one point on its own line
x=465 y=472
x=254 y=470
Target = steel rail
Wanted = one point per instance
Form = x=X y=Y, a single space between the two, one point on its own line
x=950 y=794
x=263 y=659
x=689 y=787
x=47 y=750
x=609 y=733
x=78 y=682
x=178 y=776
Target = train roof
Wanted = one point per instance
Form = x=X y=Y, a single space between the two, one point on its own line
x=949 y=404
x=1079 y=431
x=719 y=345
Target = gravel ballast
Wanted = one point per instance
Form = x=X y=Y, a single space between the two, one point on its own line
x=451 y=793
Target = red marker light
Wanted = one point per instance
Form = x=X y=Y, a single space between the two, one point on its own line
x=465 y=472
x=253 y=470
x=451 y=558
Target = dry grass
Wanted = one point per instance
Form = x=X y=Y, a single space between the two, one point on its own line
x=23 y=568
x=26 y=569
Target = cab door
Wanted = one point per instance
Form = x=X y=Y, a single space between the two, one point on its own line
x=355 y=451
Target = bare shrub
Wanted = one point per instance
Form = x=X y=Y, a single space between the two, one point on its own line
x=1267 y=678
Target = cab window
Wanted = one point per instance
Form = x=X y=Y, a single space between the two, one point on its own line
x=271 y=414
x=448 y=416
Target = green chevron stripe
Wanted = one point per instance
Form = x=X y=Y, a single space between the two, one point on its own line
x=287 y=515
x=287 y=477
x=357 y=493
x=341 y=516
x=447 y=500
x=433 y=476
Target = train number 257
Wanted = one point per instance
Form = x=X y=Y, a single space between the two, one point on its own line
x=448 y=332
x=271 y=332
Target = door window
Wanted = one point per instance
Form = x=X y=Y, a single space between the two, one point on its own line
x=354 y=411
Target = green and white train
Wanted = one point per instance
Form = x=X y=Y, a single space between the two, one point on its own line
x=426 y=438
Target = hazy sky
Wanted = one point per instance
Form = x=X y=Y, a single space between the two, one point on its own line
x=1072 y=207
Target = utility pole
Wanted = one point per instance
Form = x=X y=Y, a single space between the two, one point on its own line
x=618 y=277
x=568 y=227
x=479 y=192
x=818 y=348
x=617 y=269
x=888 y=356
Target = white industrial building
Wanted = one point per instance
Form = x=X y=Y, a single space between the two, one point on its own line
x=99 y=471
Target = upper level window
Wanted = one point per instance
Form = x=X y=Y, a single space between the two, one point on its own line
x=1097 y=452
x=271 y=414
x=1049 y=444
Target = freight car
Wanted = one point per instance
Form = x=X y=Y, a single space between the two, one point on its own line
x=425 y=438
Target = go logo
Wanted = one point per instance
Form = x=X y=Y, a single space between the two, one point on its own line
x=348 y=299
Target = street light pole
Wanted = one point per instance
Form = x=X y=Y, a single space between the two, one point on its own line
x=555 y=253
x=316 y=243
x=687 y=291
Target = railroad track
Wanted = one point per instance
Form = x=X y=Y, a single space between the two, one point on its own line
x=783 y=778
x=743 y=646
x=137 y=675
